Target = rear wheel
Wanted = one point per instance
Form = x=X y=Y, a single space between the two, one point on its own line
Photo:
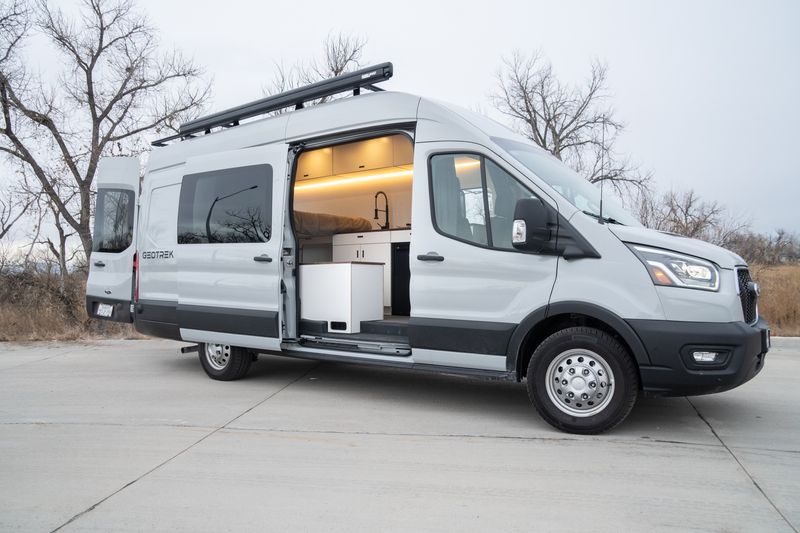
x=224 y=362
x=582 y=380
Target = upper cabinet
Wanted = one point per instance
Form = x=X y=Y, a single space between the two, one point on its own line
x=403 y=150
x=363 y=155
x=369 y=154
x=315 y=164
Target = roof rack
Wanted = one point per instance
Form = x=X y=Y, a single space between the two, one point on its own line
x=365 y=77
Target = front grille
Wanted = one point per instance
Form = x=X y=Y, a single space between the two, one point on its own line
x=748 y=295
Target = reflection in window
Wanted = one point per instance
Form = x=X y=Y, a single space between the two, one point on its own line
x=226 y=206
x=503 y=192
x=113 y=220
x=458 y=207
x=464 y=188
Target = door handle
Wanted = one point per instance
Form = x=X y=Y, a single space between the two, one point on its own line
x=263 y=258
x=430 y=256
x=99 y=264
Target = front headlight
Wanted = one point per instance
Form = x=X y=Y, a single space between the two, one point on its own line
x=676 y=270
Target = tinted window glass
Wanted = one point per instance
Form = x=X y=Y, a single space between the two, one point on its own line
x=503 y=192
x=464 y=188
x=113 y=220
x=457 y=188
x=226 y=206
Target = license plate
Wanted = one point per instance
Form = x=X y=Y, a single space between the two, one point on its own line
x=105 y=310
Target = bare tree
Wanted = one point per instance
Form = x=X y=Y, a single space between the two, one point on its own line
x=574 y=123
x=14 y=24
x=13 y=206
x=59 y=249
x=685 y=213
x=767 y=249
x=341 y=52
x=115 y=86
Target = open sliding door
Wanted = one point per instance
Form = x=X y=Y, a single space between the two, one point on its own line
x=230 y=230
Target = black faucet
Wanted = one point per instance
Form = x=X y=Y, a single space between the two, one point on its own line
x=385 y=225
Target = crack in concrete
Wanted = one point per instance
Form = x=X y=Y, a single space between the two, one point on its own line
x=643 y=440
x=565 y=438
x=741 y=465
x=184 y=450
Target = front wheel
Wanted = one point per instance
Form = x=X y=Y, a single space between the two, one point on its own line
x=223 y=361
x=582 y=380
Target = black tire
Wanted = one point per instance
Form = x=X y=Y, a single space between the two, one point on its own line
x=235 y=365
x=591 y=342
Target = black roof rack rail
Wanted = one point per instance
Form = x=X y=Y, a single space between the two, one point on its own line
x=365 y=77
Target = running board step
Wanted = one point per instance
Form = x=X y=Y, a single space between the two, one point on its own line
x=354 y=345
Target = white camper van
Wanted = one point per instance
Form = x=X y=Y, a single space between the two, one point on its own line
x=390 y=229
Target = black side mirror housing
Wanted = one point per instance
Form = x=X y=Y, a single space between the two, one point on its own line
x=532 y=230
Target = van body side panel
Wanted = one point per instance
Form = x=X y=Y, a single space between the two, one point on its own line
x=615 y=282
x=473 y=299
x=156 y=310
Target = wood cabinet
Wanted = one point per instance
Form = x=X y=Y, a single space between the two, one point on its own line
x=363 y=155
x=315 y=164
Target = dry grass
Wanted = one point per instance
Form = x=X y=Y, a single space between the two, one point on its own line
x=34 y=306
x=780 y=297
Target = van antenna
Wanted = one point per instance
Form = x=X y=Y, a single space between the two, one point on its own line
x=602 y=168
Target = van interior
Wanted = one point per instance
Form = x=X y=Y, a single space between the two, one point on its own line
x=352 y=222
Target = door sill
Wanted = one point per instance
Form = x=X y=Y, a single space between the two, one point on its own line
x=356 y=345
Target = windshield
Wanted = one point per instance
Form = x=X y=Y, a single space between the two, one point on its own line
x=575 y=189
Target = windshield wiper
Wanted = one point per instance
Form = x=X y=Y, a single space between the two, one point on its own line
x=605 y=219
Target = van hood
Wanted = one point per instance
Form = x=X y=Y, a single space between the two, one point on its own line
x=670 y=241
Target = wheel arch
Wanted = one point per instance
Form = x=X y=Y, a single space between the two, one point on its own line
x=546 y=320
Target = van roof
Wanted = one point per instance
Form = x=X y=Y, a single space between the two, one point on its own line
x=362 y=111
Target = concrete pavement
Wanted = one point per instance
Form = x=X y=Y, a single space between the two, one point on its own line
x=131 y=435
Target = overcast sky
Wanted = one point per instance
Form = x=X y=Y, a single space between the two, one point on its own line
x=708 y=90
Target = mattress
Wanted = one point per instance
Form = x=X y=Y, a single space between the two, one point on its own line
x=323 y=224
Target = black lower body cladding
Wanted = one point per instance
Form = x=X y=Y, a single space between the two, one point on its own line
x=674 y=372
x=469 y=336
x=164 y=319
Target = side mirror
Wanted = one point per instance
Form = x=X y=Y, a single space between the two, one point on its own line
x=531 y=230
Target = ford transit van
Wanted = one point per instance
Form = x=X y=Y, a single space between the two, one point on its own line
x=389 y=229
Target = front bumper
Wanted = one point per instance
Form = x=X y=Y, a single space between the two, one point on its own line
x=673 y=372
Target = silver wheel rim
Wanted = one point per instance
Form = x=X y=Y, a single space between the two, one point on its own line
x=579 y=382
x=218 y=355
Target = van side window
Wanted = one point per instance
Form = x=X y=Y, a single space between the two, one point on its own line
x=465 y=187
x=232 y=205
x=503 y=192
x=113 y=220
x=457 y=188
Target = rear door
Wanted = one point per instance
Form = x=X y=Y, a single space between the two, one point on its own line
x=109 y=289
x=230 y=220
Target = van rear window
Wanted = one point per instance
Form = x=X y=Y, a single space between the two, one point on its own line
x=232 y=205
x=113 y=220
